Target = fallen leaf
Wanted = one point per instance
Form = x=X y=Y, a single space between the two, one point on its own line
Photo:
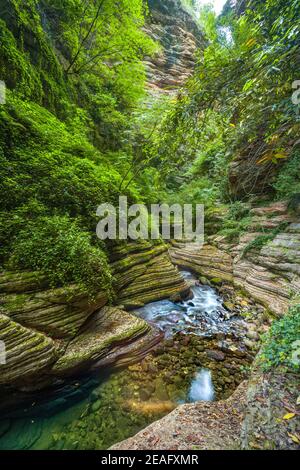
x=289 y=416
x=294 y=438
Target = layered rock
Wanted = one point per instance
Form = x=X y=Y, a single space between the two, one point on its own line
x=56 y=312
x=179 y=36
x=50 y=333
x=269 y=274
x=104 y=333
x=252 y=418
x=27 y=352
x=144 y=273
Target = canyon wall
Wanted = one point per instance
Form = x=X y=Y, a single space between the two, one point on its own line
x=269 y=274
x=178 y=34
x=52 y=333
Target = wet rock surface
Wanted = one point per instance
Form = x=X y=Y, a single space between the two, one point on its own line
x=112 y=408
x=178 y=34
x=201 y=426
x=60 y=332
x=270 y=275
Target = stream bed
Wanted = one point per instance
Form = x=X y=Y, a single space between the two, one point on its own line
x=107 y=407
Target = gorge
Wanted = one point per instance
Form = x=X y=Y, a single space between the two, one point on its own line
x=149 y=344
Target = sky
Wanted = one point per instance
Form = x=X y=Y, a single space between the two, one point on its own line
x=218 y=4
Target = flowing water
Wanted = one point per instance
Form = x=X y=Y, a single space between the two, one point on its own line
x=202 y=388
x=100 y=410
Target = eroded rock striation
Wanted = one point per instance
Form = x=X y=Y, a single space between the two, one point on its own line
x=179 y=36
x=270 y=274
x=51 y=333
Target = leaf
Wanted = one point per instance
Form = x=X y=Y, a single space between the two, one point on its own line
x=294 y=438
x=289 y=416
x=251 y=42
x=248 y=85
x=265 y=158
x=281 y=155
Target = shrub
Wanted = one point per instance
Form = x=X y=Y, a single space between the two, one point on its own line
x=236 y=221
x=280 y=342
x=261 y=240
x=57 y=247
x=288 y=181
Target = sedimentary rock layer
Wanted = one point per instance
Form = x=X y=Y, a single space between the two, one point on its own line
x=270 y=274
x=107 y=330
x=177 y=32
x=144 y=274
x=27 y=352
x=57 y=332
x=204 y=426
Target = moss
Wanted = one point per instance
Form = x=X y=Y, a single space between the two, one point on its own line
x=14 y=302
x=261 y=240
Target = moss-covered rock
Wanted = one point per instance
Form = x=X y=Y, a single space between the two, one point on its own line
x=107 y=329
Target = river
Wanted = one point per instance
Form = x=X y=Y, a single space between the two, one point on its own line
x=97 y=411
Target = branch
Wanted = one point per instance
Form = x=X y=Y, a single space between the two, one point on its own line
x=87 y=35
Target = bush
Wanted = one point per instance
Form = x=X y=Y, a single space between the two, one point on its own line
x=261 y=240
x=236 y=221
x=57 y=247
x=288 y=181
x=280 y=342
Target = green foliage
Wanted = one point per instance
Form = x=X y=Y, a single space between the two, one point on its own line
x=57 y=247
x=279 y=344
x=261 y=240
x=236 y=221
x=288 y=181
x=63 y=129
x=239 y=99
x=200 y=190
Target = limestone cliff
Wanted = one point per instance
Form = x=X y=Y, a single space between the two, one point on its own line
x=179 y=36
x=269 y=274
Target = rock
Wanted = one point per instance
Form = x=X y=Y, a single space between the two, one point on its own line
x=216 y=280
x=269 y=276
x=161 y=392
x=96 y=406
x=28 y=353
x=176 y=298
x=144 y=273
x=97 y=340
x=229 y=306
x=145 y=394
x=249 y=344
x=179 y=35
x=212 y=425
x=215 y=355
x=252 y=335
x=186 y=340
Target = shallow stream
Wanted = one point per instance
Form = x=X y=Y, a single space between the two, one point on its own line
x=97 y=411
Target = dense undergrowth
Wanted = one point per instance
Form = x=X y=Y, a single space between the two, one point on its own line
x=64 y=148
x=282 y=344
x=238 y=108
